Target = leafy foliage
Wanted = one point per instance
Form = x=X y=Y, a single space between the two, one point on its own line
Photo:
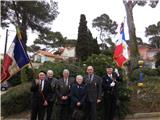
x=146 y=71
x=153 y=31
x=86 y=45
x=16 y=100
x=60 y=66
x=99 y=62
x=29 y=14
x=50 y=40
x=105 y=26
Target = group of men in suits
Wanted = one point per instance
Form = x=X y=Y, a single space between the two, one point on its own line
x=83 y=94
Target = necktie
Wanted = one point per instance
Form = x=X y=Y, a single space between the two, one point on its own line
x=66 y=82
x=42 y=85
x=90 y=78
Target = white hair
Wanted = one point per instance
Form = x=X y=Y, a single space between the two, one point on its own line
x=50 y=71
x=65 y=71
x=79 y=76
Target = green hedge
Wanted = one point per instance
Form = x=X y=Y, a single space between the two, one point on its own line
x=58 y=67
x=16 y=100
x=146 y=71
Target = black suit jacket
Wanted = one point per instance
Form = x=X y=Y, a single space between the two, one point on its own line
x=63 y=90
x=52 y=89
x=94 y=88
x=39 y=95
x=107 y=88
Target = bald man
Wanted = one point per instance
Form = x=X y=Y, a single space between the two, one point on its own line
x=94 y=86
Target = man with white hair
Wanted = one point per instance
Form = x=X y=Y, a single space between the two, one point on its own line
x=63 y=92
x=52 y=93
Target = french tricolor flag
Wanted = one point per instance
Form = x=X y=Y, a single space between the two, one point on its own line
x=15 y=59
x=121 y=52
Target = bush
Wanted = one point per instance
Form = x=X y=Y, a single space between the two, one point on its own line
x=16 y=100
x=146 y=72
x=146 y=99
x=60 y=66
x=99 y=62
x=15 y=80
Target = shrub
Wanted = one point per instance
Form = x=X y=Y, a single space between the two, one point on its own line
x=146 y=72
x=16 y=100
x=60 y=66
x=15 y=80
x=99 y=62
x=146 y=99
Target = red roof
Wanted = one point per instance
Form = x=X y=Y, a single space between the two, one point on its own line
x=45 y=53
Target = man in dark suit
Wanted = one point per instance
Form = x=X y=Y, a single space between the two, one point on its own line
x=63 y=92
x=40 y=88
x=51 y=93
x=109 y=86
x=93 y=84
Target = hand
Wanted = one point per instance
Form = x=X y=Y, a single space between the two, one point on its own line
x=98 y=100
x=45 y=103
x=116 y=71
x=37 y=81
x=112 y=84
x=78 y=103
x=63 y=97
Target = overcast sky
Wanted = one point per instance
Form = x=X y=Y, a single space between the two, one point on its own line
x=67 y=21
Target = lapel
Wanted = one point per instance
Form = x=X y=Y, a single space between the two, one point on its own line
x=108 y=79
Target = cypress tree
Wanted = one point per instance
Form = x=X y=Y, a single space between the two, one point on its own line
x=82 y=49
x=86 y=45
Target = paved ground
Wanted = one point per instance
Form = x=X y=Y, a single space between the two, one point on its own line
x=144 y=116
x=137 y=116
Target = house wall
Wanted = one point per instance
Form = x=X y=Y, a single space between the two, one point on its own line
x=143 y=52
x=68 y=52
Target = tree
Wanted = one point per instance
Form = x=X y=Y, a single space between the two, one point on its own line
x=33 y=48
x=50 y=40
x=105 y=26
x=85 y=42
x=29 y=14
x=153 y=31
x=129 y=5
x=36 y=15
x=139 y=41
x=82 y=41
x=93 y=45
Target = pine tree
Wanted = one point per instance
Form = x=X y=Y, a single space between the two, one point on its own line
x=29 y=14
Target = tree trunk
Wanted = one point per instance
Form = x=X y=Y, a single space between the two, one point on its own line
x=134 y=54
x=132 y=31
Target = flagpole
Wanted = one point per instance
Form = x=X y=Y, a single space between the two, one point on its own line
x=6 y=40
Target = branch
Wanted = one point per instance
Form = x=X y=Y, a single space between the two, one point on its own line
x=134 y=3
